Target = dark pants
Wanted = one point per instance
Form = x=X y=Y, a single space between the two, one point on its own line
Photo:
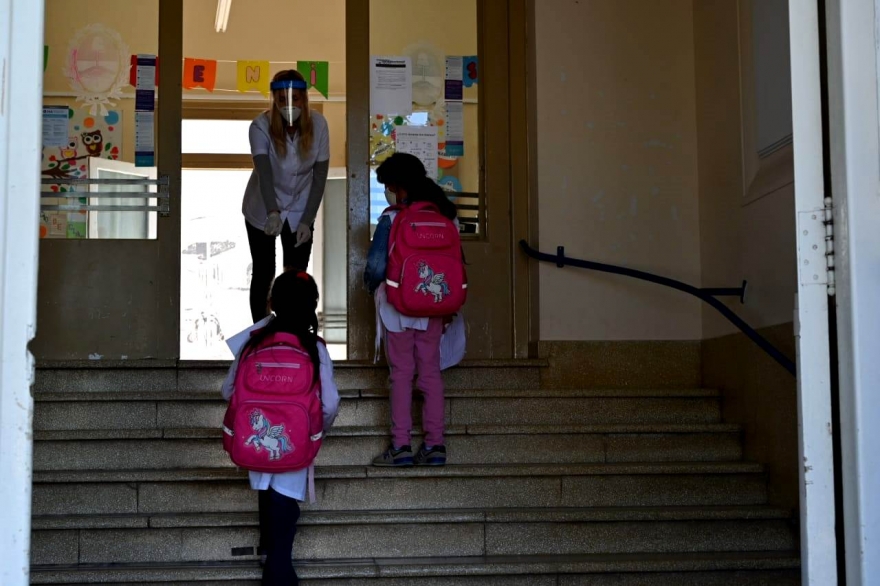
x=278 y=517
x=263 y=258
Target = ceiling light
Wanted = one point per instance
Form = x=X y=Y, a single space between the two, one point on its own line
x=222 y=18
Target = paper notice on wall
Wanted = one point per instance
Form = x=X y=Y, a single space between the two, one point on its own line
x=390 y=86
x=145 y=88
x=454 y=93
x=55 y=121
x=144 y=139
x=420 y=141
x=454 y=129
x=454 y=71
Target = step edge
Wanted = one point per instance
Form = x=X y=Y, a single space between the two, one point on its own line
x=405 y=516
x=209 y=433
x=449 y=471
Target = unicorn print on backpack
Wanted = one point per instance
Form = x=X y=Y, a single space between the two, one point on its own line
x=432 y=284
x=267 y=436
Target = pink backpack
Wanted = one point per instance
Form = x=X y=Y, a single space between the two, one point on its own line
x=274 y=422
x=425 y=275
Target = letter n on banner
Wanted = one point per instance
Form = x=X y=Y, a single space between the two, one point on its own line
x=253 y=75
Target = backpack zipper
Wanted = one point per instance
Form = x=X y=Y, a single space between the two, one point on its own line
x=413 y=225
x=290 y=365
x=281 y=347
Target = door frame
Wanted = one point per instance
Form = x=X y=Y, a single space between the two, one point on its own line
x=21 y=88
x=815 y=446
x=854 y=129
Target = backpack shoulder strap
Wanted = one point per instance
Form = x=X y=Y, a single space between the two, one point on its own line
x=282 y=338
x=424 y=206
x=394 y=208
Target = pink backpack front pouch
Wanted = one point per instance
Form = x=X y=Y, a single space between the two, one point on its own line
x=274 y=421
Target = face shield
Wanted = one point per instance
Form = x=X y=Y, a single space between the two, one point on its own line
x=288 y=110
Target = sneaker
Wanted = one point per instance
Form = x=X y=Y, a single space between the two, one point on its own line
x=434 y=456
x=401 y=456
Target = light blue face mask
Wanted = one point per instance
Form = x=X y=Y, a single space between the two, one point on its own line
x=390 y=197
x=289 y=112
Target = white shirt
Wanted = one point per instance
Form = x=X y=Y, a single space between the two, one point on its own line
x=292 y=484
x=292 y=174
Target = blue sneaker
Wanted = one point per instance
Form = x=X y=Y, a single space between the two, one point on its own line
x=401 y=456
x=433 y=456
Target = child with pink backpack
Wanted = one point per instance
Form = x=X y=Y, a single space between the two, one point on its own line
x=415 y=270
x=282 y=401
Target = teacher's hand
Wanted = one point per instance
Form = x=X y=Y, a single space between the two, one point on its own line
x=303 y=234
x=273 y=224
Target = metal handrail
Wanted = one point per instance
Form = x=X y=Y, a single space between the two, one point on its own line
x=706 y=295
x=154 y=201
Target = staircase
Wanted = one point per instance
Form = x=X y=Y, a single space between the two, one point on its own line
x=563 y=487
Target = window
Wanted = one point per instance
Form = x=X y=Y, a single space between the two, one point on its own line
x=434 y=33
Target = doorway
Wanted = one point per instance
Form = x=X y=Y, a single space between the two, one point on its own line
x=139 y=292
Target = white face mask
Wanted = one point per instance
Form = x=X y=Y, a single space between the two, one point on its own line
x=291 y=114
x=390 y=197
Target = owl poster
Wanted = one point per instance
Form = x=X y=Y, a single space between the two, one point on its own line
x=88 y=136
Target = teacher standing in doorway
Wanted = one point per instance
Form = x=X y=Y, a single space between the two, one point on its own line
x=290 y=145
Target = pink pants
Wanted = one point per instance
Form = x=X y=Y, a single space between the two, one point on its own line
x=410 y=352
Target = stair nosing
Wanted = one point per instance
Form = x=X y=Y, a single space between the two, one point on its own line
x=185 y=365
x=477 y=566
x=536 y=393
x=434 y=516
x=449 y=471
x=209 y=433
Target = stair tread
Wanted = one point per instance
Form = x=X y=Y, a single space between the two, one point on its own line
x=372 y=431
x=172 y=395
x=402 y=567
x=489 y=515
x=452 y=470
x=223 y=365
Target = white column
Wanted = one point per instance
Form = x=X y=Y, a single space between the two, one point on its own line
x=855 y=147
x=816 y=461
x=21 y=84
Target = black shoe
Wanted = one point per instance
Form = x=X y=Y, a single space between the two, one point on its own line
x=435 y=456
x=401 y=456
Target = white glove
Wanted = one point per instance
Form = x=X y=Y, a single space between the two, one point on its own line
x=303 y=234
x=273 y=224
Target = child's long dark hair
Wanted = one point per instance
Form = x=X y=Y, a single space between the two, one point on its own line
x=294 y=299
x=407 y=171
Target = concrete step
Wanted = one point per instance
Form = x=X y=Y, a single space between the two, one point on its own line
x=367 y=488
x=680 y=569
x=57 y=412
x=170 y=539
x=498 y=515
x=106 y=376
x=202 y=448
